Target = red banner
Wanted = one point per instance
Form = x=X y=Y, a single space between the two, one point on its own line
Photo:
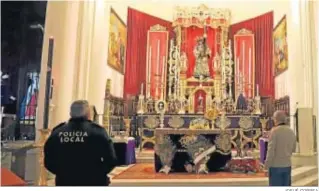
x=157 y=51
x=244 y=58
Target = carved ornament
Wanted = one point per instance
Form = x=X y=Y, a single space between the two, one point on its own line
x=158 y=28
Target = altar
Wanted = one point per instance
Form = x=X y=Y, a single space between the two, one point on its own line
x=187 y=150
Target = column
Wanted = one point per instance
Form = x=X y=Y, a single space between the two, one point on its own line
x=305 y=81
x=63 y=28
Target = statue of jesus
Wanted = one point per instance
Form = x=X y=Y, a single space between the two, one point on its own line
x=202 y=54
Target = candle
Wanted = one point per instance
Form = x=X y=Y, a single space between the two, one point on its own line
x=158 y=58
x=238 y=70
x=142 y=85
x=149 y=74
x=243 y=63
x=163 y=72
x=163 y=75
x=249 y=71
x=257 y=90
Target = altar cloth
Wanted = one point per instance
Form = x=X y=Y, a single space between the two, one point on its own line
x=179 y=147
x=125 y=150
x=263 y=148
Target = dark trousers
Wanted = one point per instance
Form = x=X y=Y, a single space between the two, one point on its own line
x=279 y=176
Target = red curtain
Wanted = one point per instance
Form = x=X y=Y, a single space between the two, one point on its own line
x=138 y=23
x=189 y=43
x=262 y=28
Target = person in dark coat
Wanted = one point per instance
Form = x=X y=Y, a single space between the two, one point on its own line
x=79 y=152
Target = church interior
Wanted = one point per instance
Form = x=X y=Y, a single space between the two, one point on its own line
x=185 y=89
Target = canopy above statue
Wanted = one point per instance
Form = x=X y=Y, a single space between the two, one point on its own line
x=201 y=16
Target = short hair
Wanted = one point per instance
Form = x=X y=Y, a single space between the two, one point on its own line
x=79 y=108
x=280 y=116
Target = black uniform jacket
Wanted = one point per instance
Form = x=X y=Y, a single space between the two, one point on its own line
x=79 y=153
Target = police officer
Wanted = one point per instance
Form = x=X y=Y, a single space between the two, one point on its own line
x=79 y=152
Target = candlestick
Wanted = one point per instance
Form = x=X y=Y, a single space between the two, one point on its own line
x=249 y=71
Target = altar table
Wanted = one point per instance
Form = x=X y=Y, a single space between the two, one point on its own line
x=176 y=148
x=246 y=128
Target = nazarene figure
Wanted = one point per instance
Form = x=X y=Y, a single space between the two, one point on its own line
x=202 y=54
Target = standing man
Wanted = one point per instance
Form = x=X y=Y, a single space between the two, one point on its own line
x=79 y=152
x=281 y=145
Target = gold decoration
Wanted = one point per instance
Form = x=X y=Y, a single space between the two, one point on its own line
x=146 y=139
x=211 y=114
x=44 y=134
x=246 y=123
x=187 y=131
x=176 y=122
x=244 y=32
x=186 y=140
x=199 y=123
x=263 y=122
x=198 y=16
x=223 y=143
x=127 y=122
x=223 y=122
x=151 y=122
x=107 y=112
x=158 y=28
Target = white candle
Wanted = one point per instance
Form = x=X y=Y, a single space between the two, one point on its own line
x=249 y=71
x=163 y=78
x=243 y=63
x=257 y=90
x=150 y=66
x=238 y=70
x=163 y=72
x=148 y=85
x=142 y=85
x=158 y=57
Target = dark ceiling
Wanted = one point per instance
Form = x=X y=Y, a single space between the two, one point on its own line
x=17 y=40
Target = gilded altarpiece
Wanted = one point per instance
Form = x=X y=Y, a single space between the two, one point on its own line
x=244 y=57
x=157 y=54
x=193 y=26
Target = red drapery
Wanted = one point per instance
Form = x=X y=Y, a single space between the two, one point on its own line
x=138 y=23
x=262 y=27
x=189 y=43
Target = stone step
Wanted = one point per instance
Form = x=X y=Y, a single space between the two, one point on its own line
x=307 y=181
x=145 y=159
x=303 y=172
